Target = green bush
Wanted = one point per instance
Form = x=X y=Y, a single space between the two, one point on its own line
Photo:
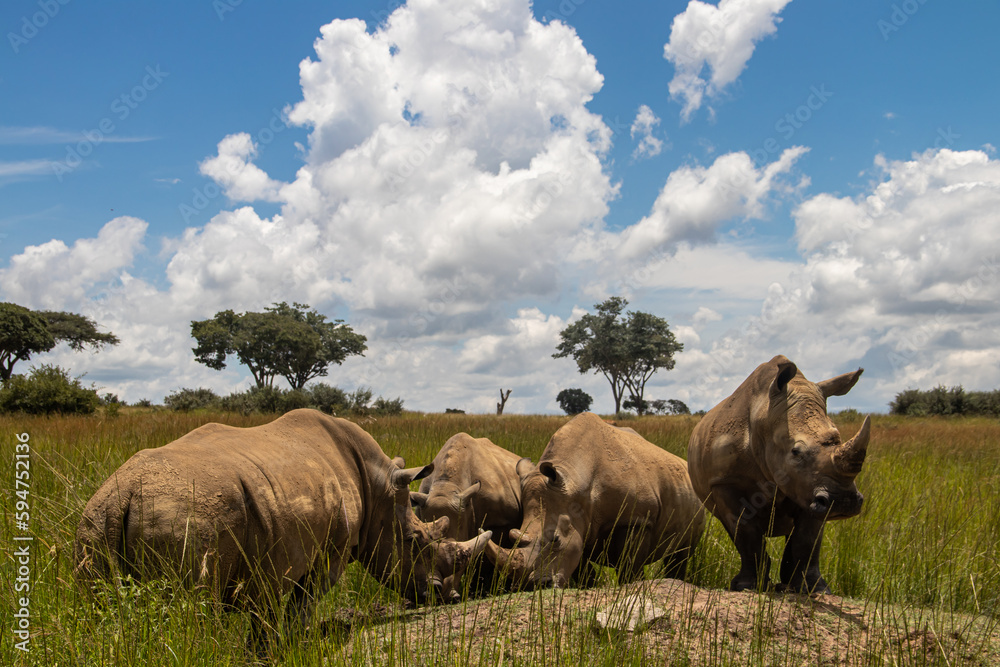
x=360 y=399
x=47 y=389
x=331 y=400
x=574 y=401
x=186 y=400
x=943 y=400
x=387 y=407
x=271 y=400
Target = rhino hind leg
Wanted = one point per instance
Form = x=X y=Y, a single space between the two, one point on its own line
x=800 y=560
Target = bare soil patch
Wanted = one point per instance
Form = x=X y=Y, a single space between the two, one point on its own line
x=683 y=624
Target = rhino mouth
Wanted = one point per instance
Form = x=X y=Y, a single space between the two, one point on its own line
x=836 y=507
x=546 y=581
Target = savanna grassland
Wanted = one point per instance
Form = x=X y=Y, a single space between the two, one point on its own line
x=916 y=575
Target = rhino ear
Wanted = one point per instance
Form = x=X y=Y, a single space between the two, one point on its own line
x=398 y=462
x=786 y=371
x=839 y=385
x=549 y=470
x=464 y=496
x=401 y=478
x=524 y=467
x=418 y=499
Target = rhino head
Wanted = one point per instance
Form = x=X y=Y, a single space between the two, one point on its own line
x=549 y=545
x=447 y=500
x=431 y=564
x=805 y=455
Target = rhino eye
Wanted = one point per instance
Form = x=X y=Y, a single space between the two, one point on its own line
x=797 y=451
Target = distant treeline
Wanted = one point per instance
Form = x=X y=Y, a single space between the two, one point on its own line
x=331 y=400
x=946 y=401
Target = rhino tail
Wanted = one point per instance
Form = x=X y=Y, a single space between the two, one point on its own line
x=102 y=540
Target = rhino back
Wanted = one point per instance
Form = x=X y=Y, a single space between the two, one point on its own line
x=621 y=476
x=221 y=500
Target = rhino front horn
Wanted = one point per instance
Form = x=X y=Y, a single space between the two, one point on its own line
x=851 y=456
x=477 y=544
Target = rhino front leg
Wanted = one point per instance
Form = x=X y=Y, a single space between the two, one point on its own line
x=755 y=564
x=747 y=526
x=800 y=560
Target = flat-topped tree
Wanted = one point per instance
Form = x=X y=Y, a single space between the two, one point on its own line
x=627 y=349
x=294 y=342
x=24 y=332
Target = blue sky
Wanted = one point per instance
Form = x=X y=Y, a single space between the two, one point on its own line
x=460 y=180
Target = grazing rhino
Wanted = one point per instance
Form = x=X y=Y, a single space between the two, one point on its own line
x=253 y=513
x=476 y=486
x=603 y=494
x=768 y=461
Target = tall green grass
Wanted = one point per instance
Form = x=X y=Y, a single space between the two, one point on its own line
x=923 y=554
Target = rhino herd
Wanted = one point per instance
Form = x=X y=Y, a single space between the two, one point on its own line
x=256 y=513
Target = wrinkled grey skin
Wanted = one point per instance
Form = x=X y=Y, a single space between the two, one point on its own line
x=603 y=494
x=253 y=513
x=768 y=461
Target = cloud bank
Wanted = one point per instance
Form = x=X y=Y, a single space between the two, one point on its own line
x=451 y=205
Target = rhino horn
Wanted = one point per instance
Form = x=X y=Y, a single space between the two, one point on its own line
x=498 y=556
x=851 y=455
x=509 y=560
x=521 y=538
x=477 y=544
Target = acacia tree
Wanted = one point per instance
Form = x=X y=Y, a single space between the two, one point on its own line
x=24 y=332
x=288 y=341
x=627 y=349
x=650 y=346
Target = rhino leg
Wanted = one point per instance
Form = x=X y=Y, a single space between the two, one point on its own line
x=308 y=590
x=633 y=546
x=800 y=560
x=755 y=564
x=747 y=526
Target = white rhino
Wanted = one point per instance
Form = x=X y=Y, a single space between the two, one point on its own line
x=474 y=485
x=603 y=494
x=254 y=513
x=768 y=461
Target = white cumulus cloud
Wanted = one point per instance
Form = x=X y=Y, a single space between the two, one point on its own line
x=720 y=38
x=643 y=125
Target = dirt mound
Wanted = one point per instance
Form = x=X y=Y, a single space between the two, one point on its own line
x=671 y=622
